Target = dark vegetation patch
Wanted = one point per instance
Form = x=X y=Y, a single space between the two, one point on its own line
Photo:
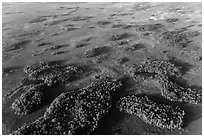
x=135 y=47
x=101 y=58
x=142 y=7
x=30 y=100
x=51 y=74
x=81 y=44
x=91 y=27
x=43 y=44
x=160 y=67
x=38 y=53
x=183 y=66
x=122 y=13
x=61 y=8
x=103 y=23
x=123 y=26
x=172 y=20
x=192 y=112
x=117 y=37
x=161 y=115
x=81 y=18
x=87 y=38
x=123 y=42
x=42 y=77
x=149 y=27
x=178 y=38
x=56 y=47
x=96 y=51
x=165 y=73
x=146 y=33
x=56 y=22
x=59 y=52
x=176 y=92
x=39 y=19
x=54 y=34
x=84 y=41
x=70 y=27
x=16 y=45
x=77 y=112
x=66 y=14
x=121 y=61
x=26 y=34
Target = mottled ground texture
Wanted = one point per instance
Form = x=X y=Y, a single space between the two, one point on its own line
x=102 y=68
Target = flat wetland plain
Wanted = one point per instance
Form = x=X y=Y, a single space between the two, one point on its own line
x=153 y=49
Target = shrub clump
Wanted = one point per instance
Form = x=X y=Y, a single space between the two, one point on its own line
x=135 y=47
x=118 y=37
x=175 y=92
x=76 y=112
x=81 y=44
x=41 y=76
x=16 y=45
x=149 y=27
x=178 y=38
x=171 y=20
x=121 y=61
x=103 y=23
x=51 y=74
x=92 y=52
x=164 y=72
x=161 y=115
x=29 y=100
x=159 y=67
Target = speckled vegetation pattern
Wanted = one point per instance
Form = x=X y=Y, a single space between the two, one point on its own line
x=67 y=67
x=164 y=72
x=161 y=115
x=76 y=112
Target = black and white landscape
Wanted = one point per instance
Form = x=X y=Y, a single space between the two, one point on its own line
x=102 y=68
